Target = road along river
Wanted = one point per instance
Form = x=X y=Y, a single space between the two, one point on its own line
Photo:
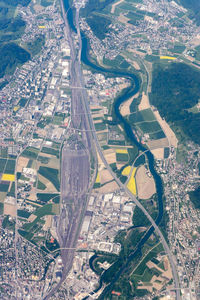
x=128 y=93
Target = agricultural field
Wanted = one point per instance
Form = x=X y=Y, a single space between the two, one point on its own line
x=59 y=118
x=100 y=126
x=153 y=272
x=39 y=221
x=145 y=122
x=118 y=62
x=132 y=183
x=142 y=115
x=51 y=174
x=30 y=152
x=7 y=179
x=51 y=151
x=126 y=171
x=3 y=152
x=122 y=155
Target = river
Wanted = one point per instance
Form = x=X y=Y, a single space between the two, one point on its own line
x=127 y=93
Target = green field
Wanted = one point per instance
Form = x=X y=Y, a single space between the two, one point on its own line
x=50 y=151
x=118 y=62
x=45 y=197
x=1 y=208
x=140 y=161
x=2 y=164
x=157 y=135
x=22 y=102
x=40 y=212
x=41 y=186
x=152 y=254
x=116 y=142
x=10 y=166
x=23 y=213
x=100 y=126
x=4 y=187
x=30 y=152
x=122 y=157
x=43 y=159
x=143 y=115
x=52 y=175
x=149 y=127
x=11 y=192
x=3 y=152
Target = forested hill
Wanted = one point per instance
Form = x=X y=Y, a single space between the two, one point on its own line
x=175 y=90
x=94 y=5
x=11 y=55
x=193 y=6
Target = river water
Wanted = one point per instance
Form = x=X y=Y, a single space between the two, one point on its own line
x=128 y=92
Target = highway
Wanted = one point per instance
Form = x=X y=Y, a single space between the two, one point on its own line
x=74 y=199
x=157 y=230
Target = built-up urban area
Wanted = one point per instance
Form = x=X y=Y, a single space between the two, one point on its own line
x=35 y=111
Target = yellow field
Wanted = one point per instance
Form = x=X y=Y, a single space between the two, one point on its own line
x=126 y=171
x=123 y=151
x=167 y=57
x=41 y=27
x=8 y=177
x=16 y=108
x=98 y=178
x=132 y=184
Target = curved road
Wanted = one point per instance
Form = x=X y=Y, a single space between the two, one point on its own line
x=77 y=77
x=157 y=230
